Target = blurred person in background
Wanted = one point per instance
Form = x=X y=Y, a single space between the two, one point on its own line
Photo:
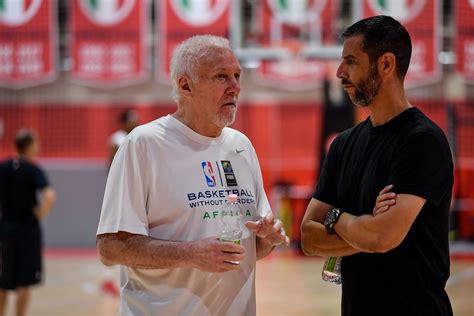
x=395 y=255
x=128 y=121
x=167 y=187
x=26 y=198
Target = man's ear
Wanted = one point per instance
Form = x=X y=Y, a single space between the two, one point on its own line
x=184 y=85
x=388 y=64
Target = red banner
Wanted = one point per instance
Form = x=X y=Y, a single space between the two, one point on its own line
x=28 y=42
x=179 y=20
x=284 y=24
x=465 y=38
x=422 y=20
x=108 y=41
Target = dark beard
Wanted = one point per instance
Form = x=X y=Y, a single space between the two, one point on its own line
x=367 y=88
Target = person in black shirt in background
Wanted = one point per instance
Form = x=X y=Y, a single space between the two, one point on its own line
x=383 y=196
x=25 y=198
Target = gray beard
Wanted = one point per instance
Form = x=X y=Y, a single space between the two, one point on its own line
x=367 y=90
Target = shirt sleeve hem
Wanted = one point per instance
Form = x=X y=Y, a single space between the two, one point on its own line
x=422 y=195
x=318 y=197
x=139 y=230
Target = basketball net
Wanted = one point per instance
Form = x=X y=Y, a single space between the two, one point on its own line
x=293 y=46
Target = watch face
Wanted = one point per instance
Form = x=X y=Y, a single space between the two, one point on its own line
x=331 y=217
x=326 y=219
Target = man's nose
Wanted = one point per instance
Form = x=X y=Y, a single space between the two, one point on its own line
x=341 y=73
x=234 y=86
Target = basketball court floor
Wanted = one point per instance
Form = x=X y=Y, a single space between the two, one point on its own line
x=77 y=284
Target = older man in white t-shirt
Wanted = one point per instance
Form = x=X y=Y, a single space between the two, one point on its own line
x=166 y=189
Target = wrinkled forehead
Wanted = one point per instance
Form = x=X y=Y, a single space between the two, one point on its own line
x=218 y=57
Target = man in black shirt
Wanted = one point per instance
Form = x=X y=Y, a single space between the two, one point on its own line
x=25 y=198
x=394 y=244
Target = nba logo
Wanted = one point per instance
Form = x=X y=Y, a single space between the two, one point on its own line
x=208 y=173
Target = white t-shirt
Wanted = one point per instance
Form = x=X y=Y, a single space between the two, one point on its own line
x=117 y=138
x=170 y=183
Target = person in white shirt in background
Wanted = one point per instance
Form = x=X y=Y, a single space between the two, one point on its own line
x=128 y=121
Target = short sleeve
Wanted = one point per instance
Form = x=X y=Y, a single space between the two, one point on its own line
x=124 y=207
x=423 y=167
x=326 y=186
x=41 y=181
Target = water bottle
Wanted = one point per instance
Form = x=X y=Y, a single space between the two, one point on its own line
x=332 y=270
x=231 y=221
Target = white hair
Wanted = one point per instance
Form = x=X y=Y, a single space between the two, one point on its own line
x=189 y=54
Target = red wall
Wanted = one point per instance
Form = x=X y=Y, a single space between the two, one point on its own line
x=286 y=137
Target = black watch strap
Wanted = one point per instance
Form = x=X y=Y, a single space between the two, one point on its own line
x=331 y=219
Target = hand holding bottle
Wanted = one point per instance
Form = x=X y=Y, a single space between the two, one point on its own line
x=332 y=266
x=212 y=255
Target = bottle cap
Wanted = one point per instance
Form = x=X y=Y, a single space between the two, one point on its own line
x=232 y=198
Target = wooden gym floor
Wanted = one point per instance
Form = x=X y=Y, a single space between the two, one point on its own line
x=287 y=284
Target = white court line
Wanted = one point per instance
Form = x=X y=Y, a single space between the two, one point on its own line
x=460 y=277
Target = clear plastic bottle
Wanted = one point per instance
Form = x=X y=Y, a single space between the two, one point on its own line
x=332 y=270
x=231 y=221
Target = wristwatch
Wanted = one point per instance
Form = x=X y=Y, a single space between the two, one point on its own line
x=331 y=219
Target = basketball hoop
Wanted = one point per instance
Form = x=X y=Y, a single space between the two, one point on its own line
x=293 y=46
